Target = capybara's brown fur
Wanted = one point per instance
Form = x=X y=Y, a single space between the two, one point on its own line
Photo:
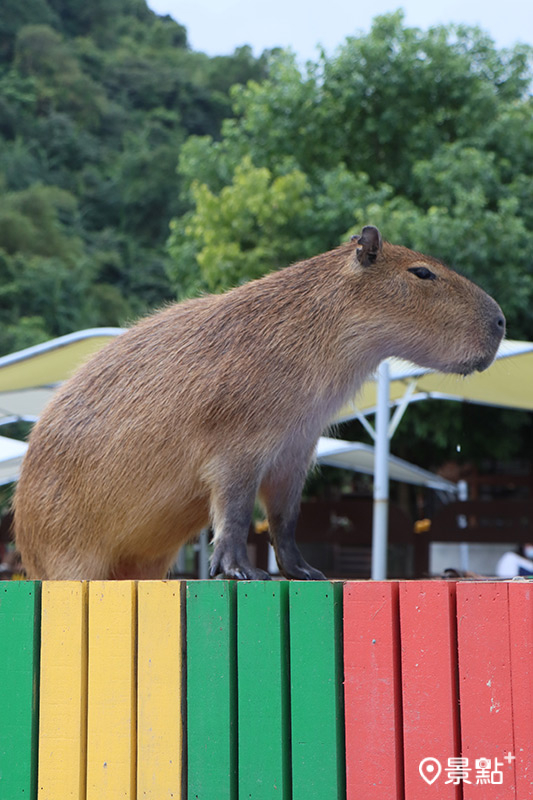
x=186 y=418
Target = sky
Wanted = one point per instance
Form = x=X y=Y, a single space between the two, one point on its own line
x=217 y=27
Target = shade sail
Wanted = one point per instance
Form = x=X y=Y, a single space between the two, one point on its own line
x=360 y=458
x=11 y=455
x=508 y=383
x=29 y=377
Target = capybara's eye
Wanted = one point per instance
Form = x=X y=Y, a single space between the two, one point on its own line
x=423 y=272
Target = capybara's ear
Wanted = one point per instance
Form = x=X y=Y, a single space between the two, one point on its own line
x=369 y=245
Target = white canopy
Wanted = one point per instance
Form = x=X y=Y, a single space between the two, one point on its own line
x=11 y=455
x=361 y=458
x=29 y=377
x=507 y=383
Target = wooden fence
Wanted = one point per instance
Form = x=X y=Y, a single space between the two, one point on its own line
x=211 y=690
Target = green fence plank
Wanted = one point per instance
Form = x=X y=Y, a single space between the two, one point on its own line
x=318 y=762
x=263 y=687
x=19 y=671
x=211 y=691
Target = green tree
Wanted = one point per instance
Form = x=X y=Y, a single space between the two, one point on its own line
x=250 y=228
x=49 y=285
x=427 y=134
x=14 y=15
x=384 y=101
x=400 y=127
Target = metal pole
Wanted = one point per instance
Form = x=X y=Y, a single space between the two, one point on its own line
x=381 y=477
x=464 y=547
x=272 y=568
x=179 y=564
x=203 y=555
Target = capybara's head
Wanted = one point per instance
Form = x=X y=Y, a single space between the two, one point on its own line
x=426 y=311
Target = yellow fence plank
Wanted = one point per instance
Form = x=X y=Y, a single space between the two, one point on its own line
x=111 y=713
x=159 y=721
x=63 y=691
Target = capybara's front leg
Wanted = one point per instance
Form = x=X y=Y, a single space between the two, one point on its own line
x=230 y=560
x=280 y=494
x=232 y=514
x=290 y=561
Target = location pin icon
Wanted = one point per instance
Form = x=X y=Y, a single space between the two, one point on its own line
x=430 y=769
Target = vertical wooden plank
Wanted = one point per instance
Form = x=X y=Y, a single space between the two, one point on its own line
x=485 y=683
x=159 y=720
x=521 y=631
x=111 y=713
x=211 y=691
x=372 y=691
x=263 y=702
x=429 y=686
x=63 y=692
x=316 y=690
x=19 y=670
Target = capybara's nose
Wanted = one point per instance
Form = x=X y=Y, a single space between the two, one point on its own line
x=498 y=325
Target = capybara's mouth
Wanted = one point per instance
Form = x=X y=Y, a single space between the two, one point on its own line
x=478 y=365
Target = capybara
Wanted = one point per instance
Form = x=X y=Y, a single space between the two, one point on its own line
x=196 y=411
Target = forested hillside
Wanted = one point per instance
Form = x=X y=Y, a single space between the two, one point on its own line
x=134 y=170
x=96 y=100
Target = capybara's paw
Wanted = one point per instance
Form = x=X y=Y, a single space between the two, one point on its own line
x=244 y=574
x=308 y=574
x=302 y=571
x=224 y=564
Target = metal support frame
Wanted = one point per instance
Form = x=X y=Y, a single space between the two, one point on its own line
x=365 y=423
x=203 y=555
x=401 y=408
x=381 y=477
x=382 y=433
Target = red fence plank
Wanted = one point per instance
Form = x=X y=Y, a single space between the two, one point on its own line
x=485 y=686
x=372 y=691
x=521 y=629
x=429 y=687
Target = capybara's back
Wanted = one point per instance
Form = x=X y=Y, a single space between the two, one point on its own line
x=116 y=477
x=188 y=417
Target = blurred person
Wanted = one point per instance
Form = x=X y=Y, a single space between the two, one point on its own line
x=513 y=564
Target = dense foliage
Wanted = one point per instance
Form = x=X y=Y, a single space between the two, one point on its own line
x=427 y=134
x=96 y=100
